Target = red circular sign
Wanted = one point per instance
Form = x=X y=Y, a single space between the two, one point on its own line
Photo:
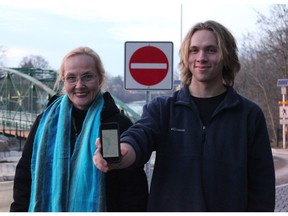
x=148 y=65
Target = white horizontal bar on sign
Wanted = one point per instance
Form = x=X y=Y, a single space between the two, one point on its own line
x=149 y=66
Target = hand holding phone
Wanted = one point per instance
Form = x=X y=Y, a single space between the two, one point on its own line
x=109 y=136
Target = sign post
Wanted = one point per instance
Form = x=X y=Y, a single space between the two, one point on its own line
x=283 y=109
x=148 y=66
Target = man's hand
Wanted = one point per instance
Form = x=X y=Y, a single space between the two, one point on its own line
x=128 y=158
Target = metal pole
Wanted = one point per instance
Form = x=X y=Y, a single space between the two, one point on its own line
x=148 y=164
x=21 y=131
x=181 y=23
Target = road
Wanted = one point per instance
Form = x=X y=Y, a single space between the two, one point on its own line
x=281 y=167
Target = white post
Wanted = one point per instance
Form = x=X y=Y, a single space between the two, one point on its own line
x=284 y=125
x=283 y=92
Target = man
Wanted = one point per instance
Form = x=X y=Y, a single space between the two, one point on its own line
x=212 y=145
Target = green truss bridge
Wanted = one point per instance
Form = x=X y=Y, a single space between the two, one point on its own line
x=24 y=94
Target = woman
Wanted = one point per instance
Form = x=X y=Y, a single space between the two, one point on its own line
x=56 y=172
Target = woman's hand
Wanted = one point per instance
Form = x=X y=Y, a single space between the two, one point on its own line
x=128 y=158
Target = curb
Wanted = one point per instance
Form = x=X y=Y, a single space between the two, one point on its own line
x=279 y=151
x=282 y=185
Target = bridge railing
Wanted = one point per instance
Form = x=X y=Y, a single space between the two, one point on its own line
x=24 y=91
x=16 y=123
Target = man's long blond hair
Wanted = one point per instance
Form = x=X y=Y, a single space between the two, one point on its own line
x=227 y=47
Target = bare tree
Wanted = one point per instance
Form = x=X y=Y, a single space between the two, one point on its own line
x=275 y=36
x=34 y=62
x=264 y=60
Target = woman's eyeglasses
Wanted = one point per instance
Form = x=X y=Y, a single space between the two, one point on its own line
x=86 y=78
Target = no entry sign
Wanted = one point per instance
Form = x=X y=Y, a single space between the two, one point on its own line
x=149 y=65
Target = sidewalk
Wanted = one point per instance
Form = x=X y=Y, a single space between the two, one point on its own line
x=281 y=204
x=8 y=163
x=9 y=160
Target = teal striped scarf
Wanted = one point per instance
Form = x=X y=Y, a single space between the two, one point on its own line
x=62 y=182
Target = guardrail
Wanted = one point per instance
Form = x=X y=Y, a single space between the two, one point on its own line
x=15 y=123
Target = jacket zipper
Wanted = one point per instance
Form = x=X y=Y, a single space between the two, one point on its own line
x=203 y=138
x=203 y=134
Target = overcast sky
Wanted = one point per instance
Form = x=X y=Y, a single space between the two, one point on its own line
x=51 y=28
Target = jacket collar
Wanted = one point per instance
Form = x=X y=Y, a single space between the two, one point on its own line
x=231 y=99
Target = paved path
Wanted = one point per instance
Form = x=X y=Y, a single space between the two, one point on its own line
x=281 y=198
x=281 y=169
x=8 y=162
x=6 y=198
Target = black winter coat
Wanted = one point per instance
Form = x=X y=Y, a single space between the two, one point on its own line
x=126 y=189
x=223 y=166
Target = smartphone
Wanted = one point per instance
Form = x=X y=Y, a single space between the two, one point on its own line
x=109 y=136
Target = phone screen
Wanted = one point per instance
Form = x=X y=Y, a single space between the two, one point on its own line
x=109 y=134
x=110 y=143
